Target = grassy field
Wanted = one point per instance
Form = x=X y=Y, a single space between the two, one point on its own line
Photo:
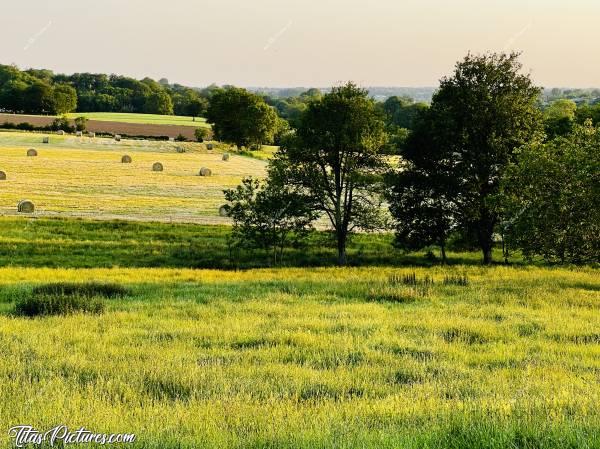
x=147 y=119
x=312 y=358
x=82 y=177
x=301 y=356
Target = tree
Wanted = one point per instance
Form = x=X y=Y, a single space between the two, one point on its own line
x=424 y=210
x=335 y=157
x=552 y=198
x=268 y=216
x=38 y=98
x=241 y=118
x=477 y=120
x=64 y=99
x=197 y=107
x=159 y=102
x=559 y=118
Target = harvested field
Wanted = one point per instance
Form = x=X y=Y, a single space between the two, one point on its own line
x=113 y=127
x=82 y=177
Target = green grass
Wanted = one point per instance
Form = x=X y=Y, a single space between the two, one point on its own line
x=300 y=358
x=70 y=243
x=150 y=119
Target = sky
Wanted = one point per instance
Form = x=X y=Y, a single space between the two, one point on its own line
x=281 y=43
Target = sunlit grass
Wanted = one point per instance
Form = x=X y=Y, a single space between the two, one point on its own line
x=84 y=177
x=301 y=358
x=150 y=119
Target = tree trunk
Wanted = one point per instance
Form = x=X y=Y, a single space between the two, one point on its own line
x=485 y=233
x=443 y=248
x=341 y=244
x=487 y=254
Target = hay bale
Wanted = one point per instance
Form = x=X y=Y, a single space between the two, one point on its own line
x=226 y=156
x=157 y=166
x=60 y=132
x=224 y=210
x=2 y=176
x=25 y=207
x=209 y=146
x=205 y=171
x=32 y=152
x=79 y=134
x=126 y=159
x=180 y=150
x=46 y=140
x=91 y=134
x=117 y=137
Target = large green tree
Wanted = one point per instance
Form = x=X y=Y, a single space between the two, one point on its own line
x=478 y=118
x=335 y=157
x=64 y=99
x=241 y=118
x=552 y=198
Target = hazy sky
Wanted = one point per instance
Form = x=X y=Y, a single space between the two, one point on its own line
x=300 y=42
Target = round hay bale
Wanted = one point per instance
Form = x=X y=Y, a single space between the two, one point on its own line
x=224 y=210
x=2 y=176
x=60 y=132
x=117 y=137
x=126 y=159
x=205 y=171
x=79 y=134
x=25 y=207
x=32 y=152
x=46 y=140
x=209 y=146
x=180 y=150
x=225 y=156
x=91 y=134
x=157 y=166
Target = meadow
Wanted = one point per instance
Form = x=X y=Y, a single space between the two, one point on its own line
x=83 y=177
x=215 y=349
x=312 y=358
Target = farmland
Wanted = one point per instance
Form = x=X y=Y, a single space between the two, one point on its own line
x=82 y=177
x=209 y=348
x=148 y=119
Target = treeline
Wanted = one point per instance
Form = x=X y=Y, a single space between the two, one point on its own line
x=484 y=164
x=43 y=92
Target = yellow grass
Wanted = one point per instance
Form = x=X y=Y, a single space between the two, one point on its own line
x=300 y=358
x=84 y=177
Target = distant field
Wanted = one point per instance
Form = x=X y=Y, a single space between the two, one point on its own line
x=149 y=119
x=82 y=177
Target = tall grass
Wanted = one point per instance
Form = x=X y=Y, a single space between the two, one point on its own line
x=302 y=358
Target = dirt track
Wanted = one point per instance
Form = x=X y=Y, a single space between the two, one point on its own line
x=129 y=129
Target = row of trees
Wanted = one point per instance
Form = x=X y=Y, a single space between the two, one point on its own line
x=476 y=163
x=43 y=92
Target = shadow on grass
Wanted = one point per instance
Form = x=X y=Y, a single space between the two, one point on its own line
x=77 y=243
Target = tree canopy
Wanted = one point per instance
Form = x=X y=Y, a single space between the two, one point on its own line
x=241 y=118
x=478 y=118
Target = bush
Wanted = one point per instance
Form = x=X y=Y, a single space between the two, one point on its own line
x=58 y=305
x=180 y=138
x=201 y=134
x=62 y=123
x=81 y=123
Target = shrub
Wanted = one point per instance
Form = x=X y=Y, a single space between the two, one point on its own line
x=181 y=138
x=201 y=134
